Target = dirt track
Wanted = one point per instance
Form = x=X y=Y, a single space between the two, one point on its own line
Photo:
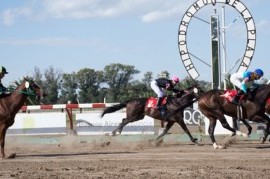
x=243 y=159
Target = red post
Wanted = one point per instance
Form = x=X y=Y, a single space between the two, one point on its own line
x=69 y=112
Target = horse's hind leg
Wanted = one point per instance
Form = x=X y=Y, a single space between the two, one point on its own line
x=119 y=129
x=225 y=124
x=124 y=122
x=168 y=126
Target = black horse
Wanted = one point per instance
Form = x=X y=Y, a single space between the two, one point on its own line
x=136 y=110
x=214 y=107
x=249 y=128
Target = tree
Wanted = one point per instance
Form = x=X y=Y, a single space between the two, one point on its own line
x=147 y=78
x=144 y=86
x=37 y=76
x=52 y=85
x=118 y=76
x=188 y=81
x=68 y=88
x=89 y=82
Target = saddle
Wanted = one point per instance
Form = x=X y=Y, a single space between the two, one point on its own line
x=152 y=102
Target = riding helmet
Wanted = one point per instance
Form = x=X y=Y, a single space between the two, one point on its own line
x=259 y=72
x=175 y=79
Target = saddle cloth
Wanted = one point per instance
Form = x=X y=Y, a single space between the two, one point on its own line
x=230 y=94
x=152 y=102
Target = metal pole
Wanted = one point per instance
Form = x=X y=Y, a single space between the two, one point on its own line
x=224 y=48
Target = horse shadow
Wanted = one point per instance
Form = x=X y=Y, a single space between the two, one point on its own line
x=73 y=154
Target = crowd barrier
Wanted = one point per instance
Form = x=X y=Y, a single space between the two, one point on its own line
x=59 y=119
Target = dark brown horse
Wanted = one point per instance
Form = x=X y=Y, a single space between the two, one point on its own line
x=136 y=110
x=11 y=104
x=214 y=107
x=267 y=110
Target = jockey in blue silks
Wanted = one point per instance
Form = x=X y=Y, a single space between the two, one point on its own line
x=243 y=81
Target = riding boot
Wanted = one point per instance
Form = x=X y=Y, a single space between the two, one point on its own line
x=161 y=107
x=158 y=106
x=237 y=97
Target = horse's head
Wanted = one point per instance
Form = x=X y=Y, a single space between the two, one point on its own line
x=193 y=91
x=30 y=88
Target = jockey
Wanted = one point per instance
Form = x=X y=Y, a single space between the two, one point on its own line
x=160 y=84
x=243 y=81
x=3 y=71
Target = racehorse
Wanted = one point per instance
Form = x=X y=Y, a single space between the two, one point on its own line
x=214 y=107
x=267 y=107
x=267 y=110
x=10 y=105
x=136 y=109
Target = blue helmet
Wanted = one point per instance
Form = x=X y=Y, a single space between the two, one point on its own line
x=259 y=72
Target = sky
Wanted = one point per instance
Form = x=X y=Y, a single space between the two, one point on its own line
x=73 y=34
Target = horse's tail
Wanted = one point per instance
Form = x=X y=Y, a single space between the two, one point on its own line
x=114 y=108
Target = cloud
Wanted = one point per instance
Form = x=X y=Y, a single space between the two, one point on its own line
x=160 y=15
x=58 y=41
x=9 y=15
x=263 y=26
x=146 y=10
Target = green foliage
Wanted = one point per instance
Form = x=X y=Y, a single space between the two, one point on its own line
x=118 y=76
x=52 y=85
x=68 y=88
x=114 y=84
x=89 y=82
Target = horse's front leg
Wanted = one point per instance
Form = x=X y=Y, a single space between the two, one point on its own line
x=181 y=122
x=235 y=126
x=266 y=131
x=211 y=130
x=263 y=118
x=2 y=141
x=168 y=126
x=247 y=125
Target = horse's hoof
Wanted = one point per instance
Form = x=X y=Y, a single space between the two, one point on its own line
x=194 y=140
x=159 y=142
x=13 y=155
x=198 y=144
x=216 y=146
